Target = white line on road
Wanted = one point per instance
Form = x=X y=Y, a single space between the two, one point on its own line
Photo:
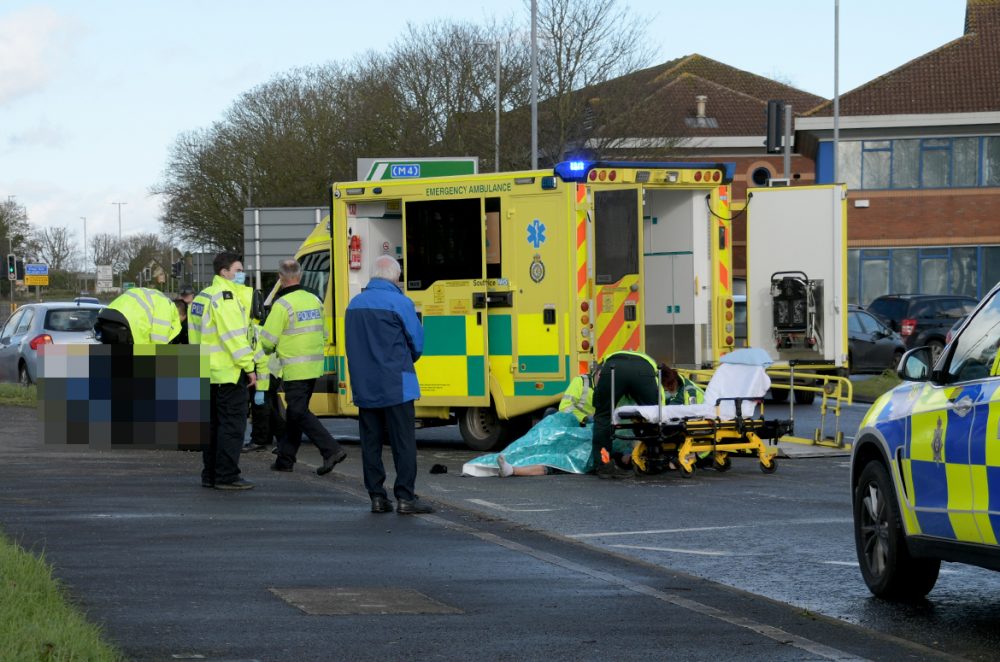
x=854 y=564
x=673 y=550
x=763 y=629
x=507 y=509
x=604 y=534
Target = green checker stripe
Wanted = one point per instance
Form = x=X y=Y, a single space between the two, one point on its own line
x=554 y=387
x=475 y=367
x=444 y=336
x=499 y=335
x=539 y=363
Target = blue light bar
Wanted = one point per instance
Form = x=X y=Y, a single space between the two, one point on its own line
x=576 y=171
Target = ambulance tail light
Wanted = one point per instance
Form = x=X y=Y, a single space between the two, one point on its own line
x=907 y=327
x=592 y=176
x=585 y=345
x=584 y=306
x=612 y=175
x=697 y=175
x=716 y=176
x=729 y=340
x=38 y=341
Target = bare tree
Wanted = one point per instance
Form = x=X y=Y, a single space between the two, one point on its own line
x=55 y=247
x=584 y=45
x=106 y=249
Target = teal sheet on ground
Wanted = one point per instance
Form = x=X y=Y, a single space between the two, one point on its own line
x=557 y=441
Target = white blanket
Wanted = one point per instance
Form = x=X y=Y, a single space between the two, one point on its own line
x=729 y=381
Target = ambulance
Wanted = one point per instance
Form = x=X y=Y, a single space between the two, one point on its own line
x=522 y=280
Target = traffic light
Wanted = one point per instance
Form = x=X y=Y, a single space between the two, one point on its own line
x=774 y=112
x=20 y=269
x=11 y=267
x=177 y=268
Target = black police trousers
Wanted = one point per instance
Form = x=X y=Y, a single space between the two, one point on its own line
x=633 y=377
x=221 y=455
x=298 y=420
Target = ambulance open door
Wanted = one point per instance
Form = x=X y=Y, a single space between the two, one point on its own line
x=617 y=256
x=444 y=273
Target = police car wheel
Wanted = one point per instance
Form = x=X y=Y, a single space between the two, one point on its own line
x=23 y=378
x=886 y=565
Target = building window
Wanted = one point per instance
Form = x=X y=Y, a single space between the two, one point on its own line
x=965 y=270
x=761 y=176
x=920 y=163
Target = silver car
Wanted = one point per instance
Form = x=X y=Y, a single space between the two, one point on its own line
x=36 y=324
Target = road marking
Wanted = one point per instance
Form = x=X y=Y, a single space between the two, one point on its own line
x=604 y=534
x=506 y=509
x=608 y=534
x=854 y=564
x=769 y=631
x=673 y=550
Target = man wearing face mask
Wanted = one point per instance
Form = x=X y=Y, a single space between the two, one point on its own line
x=218 y=320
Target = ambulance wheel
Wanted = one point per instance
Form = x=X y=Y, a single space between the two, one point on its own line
x=725 y=465
x=804 y=397
x=779 y=395
x=886 y=565
x=685 y=473
x=769 y=468
x=481 y=429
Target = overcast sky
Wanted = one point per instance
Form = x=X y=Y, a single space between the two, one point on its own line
x=92 y=94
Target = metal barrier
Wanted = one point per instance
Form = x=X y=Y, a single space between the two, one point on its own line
x=834 y=392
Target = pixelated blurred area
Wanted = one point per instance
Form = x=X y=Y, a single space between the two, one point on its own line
x=124 y=396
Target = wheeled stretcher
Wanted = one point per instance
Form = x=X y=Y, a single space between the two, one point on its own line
x=728 y=423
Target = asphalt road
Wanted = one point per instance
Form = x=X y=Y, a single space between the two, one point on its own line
x=298 y=569
x=787 y=536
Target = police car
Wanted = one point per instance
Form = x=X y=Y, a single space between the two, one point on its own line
x=925 y=472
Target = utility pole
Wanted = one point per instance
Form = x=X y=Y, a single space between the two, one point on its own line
x=119 y=205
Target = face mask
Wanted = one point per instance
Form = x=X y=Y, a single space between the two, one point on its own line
x=240 y=278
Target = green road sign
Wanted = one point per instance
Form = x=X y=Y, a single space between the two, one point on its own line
x=401 y=168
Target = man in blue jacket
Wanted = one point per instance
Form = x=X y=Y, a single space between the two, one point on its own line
x=384 y=338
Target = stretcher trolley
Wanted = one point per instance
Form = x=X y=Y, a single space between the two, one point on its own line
x=730 y=422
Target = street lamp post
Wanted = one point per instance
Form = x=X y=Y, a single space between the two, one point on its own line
x=85 y=253
x=496 y=136
x=534 y=84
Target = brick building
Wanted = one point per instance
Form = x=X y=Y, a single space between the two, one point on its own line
x=919 y=149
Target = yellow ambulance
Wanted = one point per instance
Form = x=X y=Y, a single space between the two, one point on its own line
x=522 y=280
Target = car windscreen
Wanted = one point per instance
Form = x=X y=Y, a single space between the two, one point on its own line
x=71 y=319
x=893 y=309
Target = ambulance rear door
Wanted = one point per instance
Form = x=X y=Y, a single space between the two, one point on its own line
x=444 y=272
x=617 y=251
x=540 y=224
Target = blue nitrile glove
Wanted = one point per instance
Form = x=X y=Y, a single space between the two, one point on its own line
x=258 y=398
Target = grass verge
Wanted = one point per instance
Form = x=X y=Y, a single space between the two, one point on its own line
x=36 y=622
x=18 y=396
x=869 y=390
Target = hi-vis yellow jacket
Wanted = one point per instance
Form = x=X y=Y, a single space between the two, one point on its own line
x=152 y=317
x=219 y=322
x=260 y=359
x=579 y=399
x=294 y=331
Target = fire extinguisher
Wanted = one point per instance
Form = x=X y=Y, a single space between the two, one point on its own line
x=355 y=253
